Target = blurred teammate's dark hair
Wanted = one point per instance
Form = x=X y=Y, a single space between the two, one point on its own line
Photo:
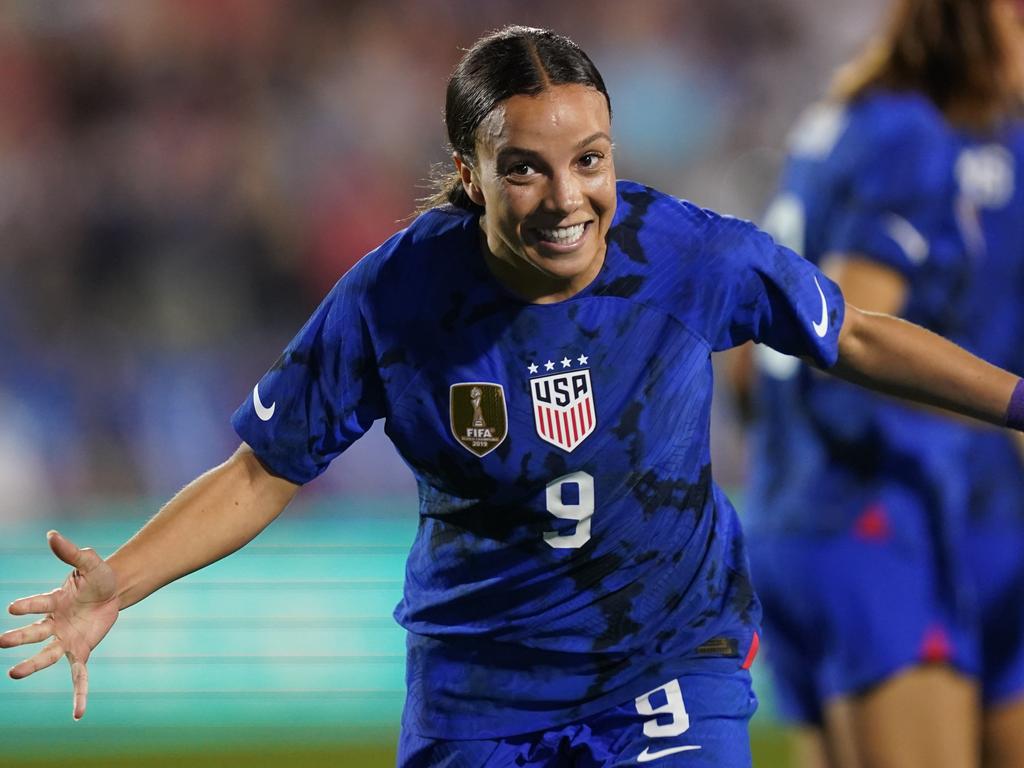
x=949 y=50
x=511 y=61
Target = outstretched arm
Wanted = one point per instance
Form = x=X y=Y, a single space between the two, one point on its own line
x=214 y=515
x=210 y=518
x=899 y=358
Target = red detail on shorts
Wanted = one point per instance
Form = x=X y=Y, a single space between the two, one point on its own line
x=935 y=646
x=755 y=643
x=873 y=524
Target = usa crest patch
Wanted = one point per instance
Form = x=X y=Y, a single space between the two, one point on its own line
x=479 y=419
x=563 y=404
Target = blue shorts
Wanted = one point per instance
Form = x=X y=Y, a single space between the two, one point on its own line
x=697 y=720
x=997 y=568
x=847 y=611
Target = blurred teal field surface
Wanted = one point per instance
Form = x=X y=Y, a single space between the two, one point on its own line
x=288 y=644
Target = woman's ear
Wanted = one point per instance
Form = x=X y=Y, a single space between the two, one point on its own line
x=468 y=174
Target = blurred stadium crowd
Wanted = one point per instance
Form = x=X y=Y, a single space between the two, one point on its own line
x=182 y=180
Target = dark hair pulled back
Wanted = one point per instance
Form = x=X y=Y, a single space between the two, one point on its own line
x=508 y=62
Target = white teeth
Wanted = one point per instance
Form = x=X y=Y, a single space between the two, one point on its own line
x=563 y=235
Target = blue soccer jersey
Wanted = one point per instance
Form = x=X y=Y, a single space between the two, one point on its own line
x=989 y=173
x=873 y=179
x=989 y=170
x=573 y=550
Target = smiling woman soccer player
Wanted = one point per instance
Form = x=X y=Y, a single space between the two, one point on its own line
x=577 y=592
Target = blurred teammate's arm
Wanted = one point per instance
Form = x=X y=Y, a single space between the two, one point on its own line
x=214 y=515
x=867 y=284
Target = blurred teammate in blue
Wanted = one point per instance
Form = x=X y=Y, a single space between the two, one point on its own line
x=858 y=502
x=539 y=346
x=990 y=171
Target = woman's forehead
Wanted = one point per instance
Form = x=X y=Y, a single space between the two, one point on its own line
x=560 y=114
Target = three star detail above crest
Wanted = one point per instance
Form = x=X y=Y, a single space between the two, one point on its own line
x=550 y=366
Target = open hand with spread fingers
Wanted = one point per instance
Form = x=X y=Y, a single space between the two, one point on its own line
x=78 y=615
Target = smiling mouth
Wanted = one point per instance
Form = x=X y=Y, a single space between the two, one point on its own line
x=564 y=236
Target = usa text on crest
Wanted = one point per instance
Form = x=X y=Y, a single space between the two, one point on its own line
x=563 y=407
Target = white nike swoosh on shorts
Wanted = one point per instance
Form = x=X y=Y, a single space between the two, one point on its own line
x=647 y=756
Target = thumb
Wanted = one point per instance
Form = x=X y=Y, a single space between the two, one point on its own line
x=82 y=559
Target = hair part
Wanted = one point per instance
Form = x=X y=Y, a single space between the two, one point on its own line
x=509 y=62
x=950 y=50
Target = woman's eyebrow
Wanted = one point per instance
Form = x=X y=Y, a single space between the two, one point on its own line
x=513 y=150
x=594 y=137
x=506 y=152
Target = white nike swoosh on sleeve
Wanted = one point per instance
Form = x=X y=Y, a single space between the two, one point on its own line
x=821 y=328
x=647 y=756
x=263 y=412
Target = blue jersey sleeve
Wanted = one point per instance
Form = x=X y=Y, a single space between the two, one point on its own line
x=763 y=292
x=898 y=206
x=323 y=393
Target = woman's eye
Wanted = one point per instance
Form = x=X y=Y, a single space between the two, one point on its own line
x=590 y=160
x=518 y=169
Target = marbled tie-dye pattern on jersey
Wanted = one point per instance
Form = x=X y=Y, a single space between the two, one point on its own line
x=506 y=634
x=874 y=179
